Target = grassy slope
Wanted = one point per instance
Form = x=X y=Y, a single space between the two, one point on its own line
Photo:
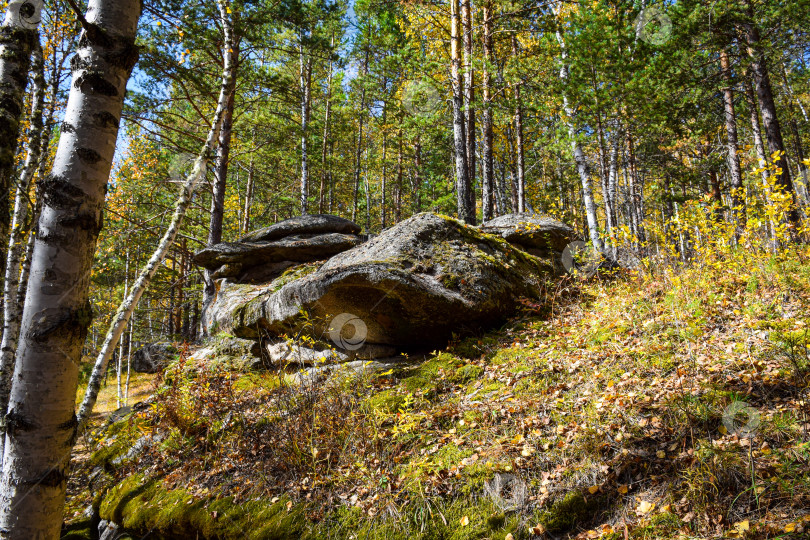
x=603 y=418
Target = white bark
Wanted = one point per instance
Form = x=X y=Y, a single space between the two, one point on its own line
x=128 y=306
x=40 y=425
x=579 y=155
x=12 y=309
x=304 y=83
x=18 y=34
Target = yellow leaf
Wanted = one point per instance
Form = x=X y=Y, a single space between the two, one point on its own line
x=623 y=489
x=644 y=507
x=723 y=430
x=593 y=489
x=790 y=527
x=661 y=454
x=509 y=537
x=742 y=526
x=465 y=521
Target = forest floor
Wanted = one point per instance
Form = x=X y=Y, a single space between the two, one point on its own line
x=657 y=404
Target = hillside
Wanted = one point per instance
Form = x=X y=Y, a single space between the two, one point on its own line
x=656 y=403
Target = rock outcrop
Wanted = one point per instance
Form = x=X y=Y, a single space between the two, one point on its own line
x=411 y=287
x=265 y=254
x=153 y=357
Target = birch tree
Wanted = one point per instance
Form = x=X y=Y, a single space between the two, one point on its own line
x=128 y=306
x=18 y=35
x=11 y=308
x=40 y=433
x=579 y=155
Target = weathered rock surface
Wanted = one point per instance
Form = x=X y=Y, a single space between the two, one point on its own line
x=413 y=286
x=284 y=352
x=264 y=254
x=311 y=224
x=152 y=358
x=531 y=232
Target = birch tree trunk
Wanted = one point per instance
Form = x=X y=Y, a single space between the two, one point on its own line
x=760 y=150
x=487 y=182
x=128 y=306
x=579 y=155
x=737 y=189
x=304 y=82
x=12 y=309
x=18 y=34
x=469 y=100
x=520 y=167
x=459 y=122
x=325 y=169
x=40 y=433
x=358 y=154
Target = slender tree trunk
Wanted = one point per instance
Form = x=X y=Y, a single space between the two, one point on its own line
x=465 y=213
x=759 y=146
x=18 y=34
x=40 y=433
x=513 y=194
x=417 y=175
x=604 y=174
x=794 y=130
x=305 y=78
x=767 y=106
x=324 y=147
x=737 y=189
x=186 y=195
x=398 y=203
x=12 y=309
x=469 y=100
x=249 y=189
x=42 y=166
x=359 y=150
x=383 y=186
x=519 y=156
x=488 y=180
x=579 y=155
x=120 y=365
x=220 y=187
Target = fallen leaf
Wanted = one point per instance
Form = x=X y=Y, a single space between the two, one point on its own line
x=465 y=521
x=644 y=507
x=623 y=489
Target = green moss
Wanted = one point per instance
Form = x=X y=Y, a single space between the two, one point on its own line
x=566 y=513
x=293 y=273
x=387 y=401
x=467 y=373
x=142 y=504
x=429 y=375
x=115 y=441
x=81 y=529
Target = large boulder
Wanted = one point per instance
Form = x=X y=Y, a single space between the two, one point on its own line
x=531 y=232
x=265 y=254
x=413 y=287
x=153 y=357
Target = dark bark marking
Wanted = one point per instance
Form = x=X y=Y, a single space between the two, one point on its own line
x=94 y=81
x=15 y=422
x=106 y=120
x=88 y=155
